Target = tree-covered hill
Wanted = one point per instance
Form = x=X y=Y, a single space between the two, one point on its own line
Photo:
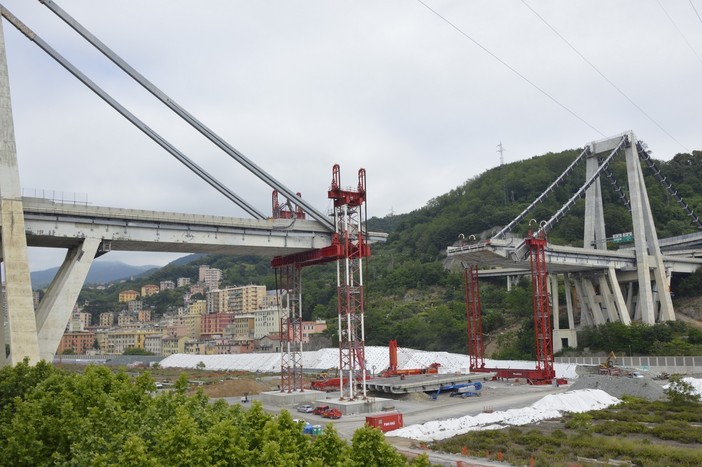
x=409 y=295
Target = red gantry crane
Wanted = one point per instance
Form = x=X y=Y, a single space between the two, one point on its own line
x=544 y=372
x=348 y=248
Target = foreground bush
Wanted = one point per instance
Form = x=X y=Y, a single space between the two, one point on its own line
x=49 y=417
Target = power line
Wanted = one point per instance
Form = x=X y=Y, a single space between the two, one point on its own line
x=679 y=31
x=696 y=12
x=603 y=75
x=513 y=70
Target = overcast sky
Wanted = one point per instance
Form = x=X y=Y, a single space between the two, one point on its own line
x=418 y=93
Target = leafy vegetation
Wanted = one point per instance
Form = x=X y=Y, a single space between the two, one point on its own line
x=641 y=432
x=669 y=338
x=411 y=297
x=50 y=417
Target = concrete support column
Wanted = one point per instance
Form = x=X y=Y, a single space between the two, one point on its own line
x=569 y=300
x=594 y=229
x=553 y=289
x=56 y=307
x=20 y=309
x=618 y=297
x=649 y=259
x=586 y=317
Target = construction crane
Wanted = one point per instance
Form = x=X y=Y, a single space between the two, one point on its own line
x=348 y=248
x=544 y=372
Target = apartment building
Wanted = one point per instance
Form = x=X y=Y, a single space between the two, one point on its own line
x=149 y=289
x=127 y=296
x=214 y=324
x=107 y=319
x=78 y=342
x=266 y=322
x=309 y=328
x=209 y=276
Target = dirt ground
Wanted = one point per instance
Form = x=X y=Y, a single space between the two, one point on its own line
x=236 y=388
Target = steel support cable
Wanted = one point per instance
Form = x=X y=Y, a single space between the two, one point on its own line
x=548 y=225
x=615 y=184
x=646 y=157
x=128 y=115
x=510 y=68
x=185 y=115
x=542 y=196
x=616 y=88
x=684 y=37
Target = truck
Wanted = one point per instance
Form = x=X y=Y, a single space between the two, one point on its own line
x=385 y=422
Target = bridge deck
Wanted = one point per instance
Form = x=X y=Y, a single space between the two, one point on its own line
x=58 y=225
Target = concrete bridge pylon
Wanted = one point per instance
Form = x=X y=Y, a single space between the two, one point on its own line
x=651 y=290
x=32 y=335
x=22 y=329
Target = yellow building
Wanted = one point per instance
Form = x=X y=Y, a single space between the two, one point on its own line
x=149 y=289
x=128 y=296
x=198 y=307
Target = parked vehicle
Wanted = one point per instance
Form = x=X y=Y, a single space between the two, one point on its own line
x=334 y=414
x=305 y=408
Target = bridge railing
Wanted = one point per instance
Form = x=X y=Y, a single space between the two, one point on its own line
x=57 y=196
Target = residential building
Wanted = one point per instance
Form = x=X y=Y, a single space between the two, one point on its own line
x=269 y=343
x=79 y=342
x=135 y=306
x=266 y=321
x=246 y=299
x=154 y=343
x=174 y=345
x=144 y=316
x=209 y=276
x=182 y=281
x=192 y=323
x=127 y=296
x=243 y=327
x=167 y=285
x=312 y=327
x=118 y=341
x=216 y=301
x=273 y=298
x=229 y=346
x=214 y=324
x=149 y=289
x=198 y=307
x=124 y=319
x=198 y=288
x=107 y=319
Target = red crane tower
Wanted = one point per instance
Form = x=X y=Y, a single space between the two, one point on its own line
x=348 y=248
x=544 y=372
x=474 y=318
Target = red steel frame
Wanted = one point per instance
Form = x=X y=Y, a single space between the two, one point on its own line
x=542 y=306
x=348 y=248
x=544 y=372
x=291 y=329
x=474 y=316
x=349 y=221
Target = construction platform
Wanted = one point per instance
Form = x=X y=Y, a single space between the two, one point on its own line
x=317 y=398
x=423 y=383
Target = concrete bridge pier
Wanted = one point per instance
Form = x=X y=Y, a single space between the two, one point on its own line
x=55 y=309
x=23 y=339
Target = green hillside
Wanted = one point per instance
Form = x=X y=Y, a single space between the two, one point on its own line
x=409 y=295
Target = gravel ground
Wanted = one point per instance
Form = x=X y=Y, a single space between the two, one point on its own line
x=619 y=386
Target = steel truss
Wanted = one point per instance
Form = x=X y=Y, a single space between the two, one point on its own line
x=291 y=329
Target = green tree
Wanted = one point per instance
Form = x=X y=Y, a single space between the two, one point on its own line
x=681 y=392
x=369 y=449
